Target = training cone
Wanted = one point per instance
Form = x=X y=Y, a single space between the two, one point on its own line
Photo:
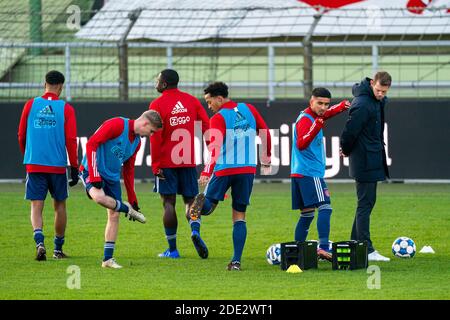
x=294 y=269
x=427 y=249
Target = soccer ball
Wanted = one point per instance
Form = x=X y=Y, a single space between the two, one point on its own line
x=404 y=247
x=273 y=254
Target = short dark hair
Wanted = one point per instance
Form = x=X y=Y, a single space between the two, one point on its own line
x=321 y=92
x=383 y=78
x=216 y=89
x=54 y=77
x=170 y=76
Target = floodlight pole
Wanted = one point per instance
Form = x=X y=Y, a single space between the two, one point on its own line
x=67 y=72
x=271 y=73
x=374 y=59
x=35 y=24
x=123 y=56
x=308 y=56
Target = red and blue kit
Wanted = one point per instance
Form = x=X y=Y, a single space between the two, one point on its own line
x=47 y=133
x=233 y=161
x=112 y=147
x=173 y=146
x=308 y=187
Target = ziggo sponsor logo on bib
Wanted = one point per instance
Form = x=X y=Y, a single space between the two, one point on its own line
x=174 y=121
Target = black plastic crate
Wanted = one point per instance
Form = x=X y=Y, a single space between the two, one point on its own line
x=303 y=254
x=350 y=255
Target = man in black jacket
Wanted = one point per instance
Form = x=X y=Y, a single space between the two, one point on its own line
x=362 y=141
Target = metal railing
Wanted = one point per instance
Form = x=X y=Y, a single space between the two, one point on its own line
x=270 y=85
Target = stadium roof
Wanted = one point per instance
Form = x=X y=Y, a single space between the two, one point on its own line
x=193 y=20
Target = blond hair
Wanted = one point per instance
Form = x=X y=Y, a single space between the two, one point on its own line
x=153 y=117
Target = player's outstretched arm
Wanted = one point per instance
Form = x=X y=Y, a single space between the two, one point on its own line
x=336 y=109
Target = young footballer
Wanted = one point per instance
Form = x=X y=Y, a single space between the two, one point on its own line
x=173 y=157
x=232 y=135
x=308 y=188
x=115 y=144
x=47 y=133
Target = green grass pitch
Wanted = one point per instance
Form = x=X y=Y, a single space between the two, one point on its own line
x=417 y=211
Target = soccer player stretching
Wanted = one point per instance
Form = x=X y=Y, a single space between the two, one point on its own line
x=233 y=161
x=308 y=188
x=47 y=129
x=115 y=144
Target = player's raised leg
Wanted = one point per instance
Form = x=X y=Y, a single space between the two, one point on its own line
x=203 y=205
x=195 y=223
x=108 y=202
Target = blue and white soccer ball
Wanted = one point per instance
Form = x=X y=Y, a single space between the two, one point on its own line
x=404 y=247
x=273 y=254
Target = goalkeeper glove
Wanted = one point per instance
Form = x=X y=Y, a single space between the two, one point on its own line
x=73 y=176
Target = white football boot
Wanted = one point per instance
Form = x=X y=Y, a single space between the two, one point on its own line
x=111 y=263
x=375 y=256
x=136 y=215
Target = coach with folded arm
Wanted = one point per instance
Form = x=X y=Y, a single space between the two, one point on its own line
x=362 y=141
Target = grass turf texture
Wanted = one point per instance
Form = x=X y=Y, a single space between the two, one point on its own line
x=416 y=211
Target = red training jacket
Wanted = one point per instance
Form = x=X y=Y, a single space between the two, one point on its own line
x=173 y=146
